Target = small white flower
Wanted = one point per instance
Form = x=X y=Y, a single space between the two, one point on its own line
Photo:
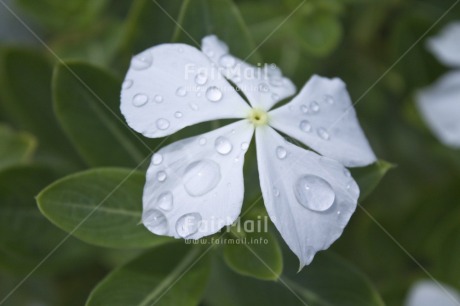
x=439 y=104
x=429 y=293
x=195 y=186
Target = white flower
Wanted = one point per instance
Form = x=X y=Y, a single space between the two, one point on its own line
x=429 y=293
x=195 y=186
x=439 y=104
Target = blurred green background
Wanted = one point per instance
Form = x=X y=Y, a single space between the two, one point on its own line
x=408 y=227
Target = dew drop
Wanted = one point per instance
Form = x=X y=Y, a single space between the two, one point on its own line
x=201 y=177
x=281 y=152
x=329 y=99
x=162 y=124
x=165 y=201
x=194 y=106
x=142 y=61
x=223 y=145
x=158 y=98
x=140 y=100
x=157 y=159
x=201 y=78
x=314 y=106
x=127 y=84
x=213 y=94
x=244 y=146
x=161 y=176
x=188 y=224
x=305 y=126
x=155 y=221
x=181 y=92
x=314 y=193
x=227 y=61
x=323 y=134
x=275 y=97
x=202 y=141
x=276 y=192
x=304 y=109
x=264 y=87
x=178 y=115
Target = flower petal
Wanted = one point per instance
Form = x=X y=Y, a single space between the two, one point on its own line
x=322 y=117
x=309 y=198
x=171 y=86
x=439 y=104
x=446 y=45
x=428 y=293
x=195 y=186
x=263 y=86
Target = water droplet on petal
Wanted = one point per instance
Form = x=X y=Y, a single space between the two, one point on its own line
x=223 y=145
x=276 y=192
x=323 y=133
x=181 y=92
x=244 y=146
x=314 y=106
x=165 y=201
x=127 y=84
x=314 y=193
x=201 y=177
x=305 y=126
x=281 y=152
x=264 y=87
x=178 y=115
x=275 y=97
x=194 y=106
x=208 y=51
x=162 y=124
x=142 y=61
x=304 y=109
x=202 y=141
x=158 y=98
x=213 y=94
x=188 y=224
x=227 y=61
x=161 y=176
x=329 y=99
x=157 y=159
x=155 y=221
x=140 y=100
x=201 y=78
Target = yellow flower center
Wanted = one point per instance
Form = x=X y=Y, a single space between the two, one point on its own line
x=258 y=117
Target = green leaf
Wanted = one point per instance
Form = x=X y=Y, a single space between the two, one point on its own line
x=199 y=18
x=15 y=147
x=26 y=237
x=173 y=274
x=328 y=281
x=256 y=254
x=25 y=94
x=100 y=206
x=369 y=177
x=87 y=104
x=319 y=33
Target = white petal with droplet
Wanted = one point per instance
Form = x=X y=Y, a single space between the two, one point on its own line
x=176 y=83
x=439 y=104
x=338 y=133
x=263 y=86
x=306 y=195
x=201 y=180
x=446 y=45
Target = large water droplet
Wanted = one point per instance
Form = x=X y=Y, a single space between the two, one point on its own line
x=264 y=87
x=142 y=61
x=162 y=124
x=213 y=94
x=157 y=159
x=181 y=91
x=305 y=126
x=314 y=106
x=281 y=152
x=201 y=177
x=158 y=98
x=223 y=145
x=140 y=99
x=314 y=193
x=127 y=84
x=201 y=78
x=188 y=224
x=227 y=61
x=323 y=133
x=155 y=221
x=161 y=176
x=165 y=201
